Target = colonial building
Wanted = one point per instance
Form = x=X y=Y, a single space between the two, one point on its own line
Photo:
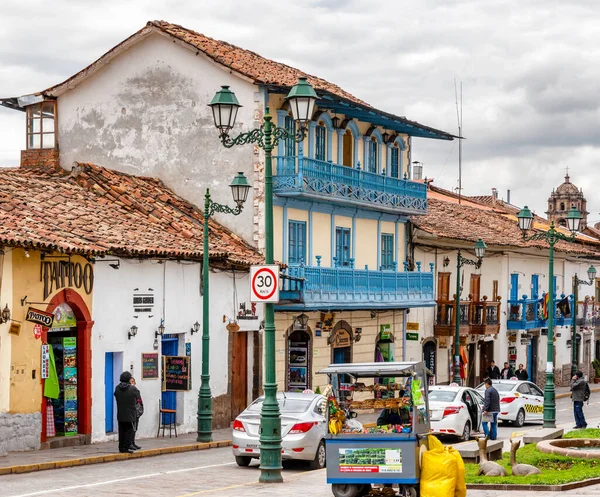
x=102 y=269
x=501 y=303
x=566 y=196
x=342 y=196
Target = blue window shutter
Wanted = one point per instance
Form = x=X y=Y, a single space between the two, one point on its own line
x=387 y=251
x=514 y=287
x=534 y=286
x=320 y=133
x=290 y=145
x=342 y=246
x=394 y=163
x=297 y=242
x=372 y=156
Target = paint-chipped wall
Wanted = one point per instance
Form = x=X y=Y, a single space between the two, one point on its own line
x=146 y=113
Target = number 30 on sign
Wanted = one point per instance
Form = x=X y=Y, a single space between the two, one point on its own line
x=264 y=283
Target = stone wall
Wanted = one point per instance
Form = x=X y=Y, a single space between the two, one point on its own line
x=20 y=432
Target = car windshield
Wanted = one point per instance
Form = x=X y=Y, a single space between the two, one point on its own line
x=286 y=406
x=442 y=395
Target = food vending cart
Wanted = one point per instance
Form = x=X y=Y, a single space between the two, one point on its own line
x=378 y=424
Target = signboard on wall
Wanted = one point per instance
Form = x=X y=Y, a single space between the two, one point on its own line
x=385 y=331
x=150 y=366
x=45 y=361
x=412 y=326
x=41 y=317
x=412 y=336
x=341 y=339
x=176 y=373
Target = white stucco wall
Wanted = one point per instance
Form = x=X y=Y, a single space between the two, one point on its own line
x=146 y=113
x=179 y=285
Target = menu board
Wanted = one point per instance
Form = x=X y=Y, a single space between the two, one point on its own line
x=149 y=366
x=176 y=373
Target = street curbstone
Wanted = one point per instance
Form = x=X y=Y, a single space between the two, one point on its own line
x=25 y=468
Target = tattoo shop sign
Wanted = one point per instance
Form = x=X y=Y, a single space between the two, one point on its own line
x=59 y=274
x=40 y=317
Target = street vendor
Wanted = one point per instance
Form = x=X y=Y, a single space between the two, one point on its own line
x=393 y=417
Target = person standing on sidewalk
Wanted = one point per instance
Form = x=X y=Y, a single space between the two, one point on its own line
x=126 y=396
x=507 y=372
x=522 y=373
x=491 y=409
x=139 y=410
x=578 y=395
x=493 y=373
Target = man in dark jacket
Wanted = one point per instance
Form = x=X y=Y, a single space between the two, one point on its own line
x=492 y=372
x=522 y=373
x=126 y=396
x=491 y=408
x=507 y=372
x=578 y=396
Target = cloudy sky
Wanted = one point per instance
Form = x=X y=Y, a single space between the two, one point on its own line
x=530 y=71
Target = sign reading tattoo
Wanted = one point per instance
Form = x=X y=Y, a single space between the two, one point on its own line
x=59 y=274
x=41 y=317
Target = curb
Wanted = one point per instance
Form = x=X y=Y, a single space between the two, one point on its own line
x=548 y=488
x=568 y=394
x=69 y=463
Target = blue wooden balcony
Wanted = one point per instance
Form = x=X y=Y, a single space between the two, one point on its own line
x=320 y=288
x=312 y=178
x=527 y=313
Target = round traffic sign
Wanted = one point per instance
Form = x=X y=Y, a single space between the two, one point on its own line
x=264 y=283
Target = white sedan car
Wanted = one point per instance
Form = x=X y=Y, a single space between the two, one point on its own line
x=520 y=401
x=454 y=410
x=303 y=429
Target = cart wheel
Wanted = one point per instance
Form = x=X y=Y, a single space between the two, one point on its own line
x=366 y=488
x=409 y=491
x=346 y=490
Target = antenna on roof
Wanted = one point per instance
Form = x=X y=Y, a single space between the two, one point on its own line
x=459 y=120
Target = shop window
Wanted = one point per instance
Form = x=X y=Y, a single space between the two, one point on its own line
x=297 y=242
x=41 y=129
x=290 y=144
x=321 y=142
x=372 y=166
x=394 y=161
x=387 y=251
x=299 y=361
x=342 y=246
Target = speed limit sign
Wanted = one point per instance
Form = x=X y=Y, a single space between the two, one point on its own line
x=264 y=283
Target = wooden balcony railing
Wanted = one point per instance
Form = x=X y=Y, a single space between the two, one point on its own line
x=476 y=317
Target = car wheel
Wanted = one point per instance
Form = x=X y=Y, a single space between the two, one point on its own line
x=520 y=419
x=346 y=490
x=466 y=434
x=242 y=460
x=320 y=457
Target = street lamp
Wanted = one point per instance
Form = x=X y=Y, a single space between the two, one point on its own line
x=239 y=190
x=576 y=282
x=460 y=262
x=551 y=236
x=301 y=99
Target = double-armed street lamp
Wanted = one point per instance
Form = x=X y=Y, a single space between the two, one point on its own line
x=239 y=190
x=551 y=236
x=460 y=262
x=576 y=282
x=301 y=100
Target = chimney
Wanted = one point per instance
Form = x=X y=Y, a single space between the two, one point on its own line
x=508 y=196
x=494 y=196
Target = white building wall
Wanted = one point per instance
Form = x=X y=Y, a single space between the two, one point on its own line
x=178 y=284
x=146 y=113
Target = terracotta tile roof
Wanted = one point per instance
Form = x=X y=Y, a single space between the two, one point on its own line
x=97 y=211
x=467 y=223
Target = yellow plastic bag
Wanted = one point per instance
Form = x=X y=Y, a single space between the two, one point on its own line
x=438 y=471
x=460 y=490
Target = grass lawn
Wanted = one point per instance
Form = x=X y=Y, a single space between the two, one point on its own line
x=555 y=469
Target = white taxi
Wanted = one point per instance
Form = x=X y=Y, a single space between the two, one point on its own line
x=454 y=410
x=520 y=401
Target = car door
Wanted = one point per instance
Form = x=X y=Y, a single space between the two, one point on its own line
x=537 y=398
x=526 y=402
x=472 y=409
x=478 y=404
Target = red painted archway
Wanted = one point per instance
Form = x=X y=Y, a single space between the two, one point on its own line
x=84 y=358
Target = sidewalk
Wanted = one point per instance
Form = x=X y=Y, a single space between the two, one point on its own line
x=67 y=457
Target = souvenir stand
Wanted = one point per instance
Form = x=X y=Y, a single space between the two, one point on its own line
x=378 y=424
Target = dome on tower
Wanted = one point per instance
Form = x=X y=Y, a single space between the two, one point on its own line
x=567 y=187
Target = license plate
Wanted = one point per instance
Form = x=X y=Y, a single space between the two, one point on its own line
x=252 y=446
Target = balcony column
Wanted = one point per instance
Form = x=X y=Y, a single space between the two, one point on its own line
x=281 y=115
x=340 y=141
x=311 y=139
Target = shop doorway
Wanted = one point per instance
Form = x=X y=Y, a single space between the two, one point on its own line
x=113 y=367
x=67 y=399
x=532 y=353
x=341 y=353
x=239 y=372
x=169 y=347
x=472 y=379
x=486 y=355
x=299 y=348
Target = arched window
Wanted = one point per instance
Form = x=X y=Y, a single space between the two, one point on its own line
x=394 y=161
x=562 y=206
x=372 y=166
x=562 y=222
x=321 y=142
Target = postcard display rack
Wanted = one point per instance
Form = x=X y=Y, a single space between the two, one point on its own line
x=65 y=407
x=378 y=421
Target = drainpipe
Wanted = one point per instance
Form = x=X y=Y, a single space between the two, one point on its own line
x=404 y=317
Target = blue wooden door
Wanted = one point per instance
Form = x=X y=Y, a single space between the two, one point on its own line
x=109 y=388
x=514 y=287
x=170 y=346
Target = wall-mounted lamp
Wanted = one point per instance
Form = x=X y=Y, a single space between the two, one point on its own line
x=335 y=120
x=331 y=338
x=195 y=328
x=155 y=344
x=386 y=137
x=302 y=321
x=373 y=314
x=446 y=261
x=27 y=253
x=5 y=315
x=161 y=329
x=357 y=334
x=132 y=332
x=113 y=263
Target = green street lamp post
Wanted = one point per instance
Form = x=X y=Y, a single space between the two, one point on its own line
x=551 y=236
x=460 y=262
x=576 y=282
x=301 y=99
x=239 y=190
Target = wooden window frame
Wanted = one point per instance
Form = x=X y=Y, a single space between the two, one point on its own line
x=297 y=244
x=29 y=125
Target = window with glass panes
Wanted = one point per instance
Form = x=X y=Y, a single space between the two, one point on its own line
x=320 y=142
x=387 y=251
x=372 y=168
x=41 y=132
x=297 y=242
x=290 y=144
x=394 y=162
x=342 y=246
